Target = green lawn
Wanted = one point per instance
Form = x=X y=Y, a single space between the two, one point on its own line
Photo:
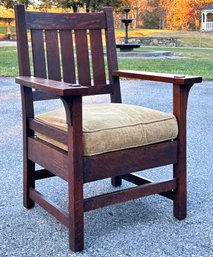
x=195 y=62
x=188 y=38
x=8 y=61
x=3 y=29
x=195 y=67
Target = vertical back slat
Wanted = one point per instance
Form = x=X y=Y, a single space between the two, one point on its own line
x=110 y=42
x=97 y=57
x=37 y=39
x=53 y=61
x=82 y=57
x=67 y=55
x=112 y=55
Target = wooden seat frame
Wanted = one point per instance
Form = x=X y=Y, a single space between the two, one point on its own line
x=72 y=166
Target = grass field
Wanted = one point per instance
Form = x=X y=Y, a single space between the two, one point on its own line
x=195 y=62
x=188 y=38
x=3 y=29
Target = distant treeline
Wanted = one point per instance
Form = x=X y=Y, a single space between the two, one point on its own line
x=170 y=14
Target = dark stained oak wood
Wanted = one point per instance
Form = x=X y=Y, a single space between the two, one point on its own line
x=53 y=159
x=40 y=96
x=138 y=180
x=49 y=206
x=73 y=107
x=28 y=165
x=39 y=63
x=67 y=55
x=82 y=53
x=112 y=65
x=134 y=159
x=180 y=97
x=128 y=194
x=53 y=62
x=27 y=103
x=43 y=173
x=51 y=86
x=56 y=21
x=51 y=132
x=100 y=89
x=97 y=57
x=22 y=41
x=161 y=77
x=110 y=44
x=61 y=59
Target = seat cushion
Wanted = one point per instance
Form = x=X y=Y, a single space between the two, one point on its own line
x=112 y=127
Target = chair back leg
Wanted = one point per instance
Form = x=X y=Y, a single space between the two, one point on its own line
x=28 y=182
x=116 y=181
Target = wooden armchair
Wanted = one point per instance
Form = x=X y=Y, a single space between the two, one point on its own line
x=84 y=143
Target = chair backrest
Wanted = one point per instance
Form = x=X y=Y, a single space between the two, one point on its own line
x=68 y=47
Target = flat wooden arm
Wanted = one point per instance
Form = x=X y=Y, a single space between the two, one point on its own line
x=51 y=86
x=161 y=77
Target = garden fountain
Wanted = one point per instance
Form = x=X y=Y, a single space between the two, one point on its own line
x=127 y=47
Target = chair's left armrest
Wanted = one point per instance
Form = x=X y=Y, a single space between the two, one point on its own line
x=160 y=77
x=52 y=86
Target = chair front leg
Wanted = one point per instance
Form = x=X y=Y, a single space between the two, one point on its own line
x=180 y=97
x=73 y=107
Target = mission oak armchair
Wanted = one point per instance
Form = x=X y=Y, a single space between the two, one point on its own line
x=81 y=143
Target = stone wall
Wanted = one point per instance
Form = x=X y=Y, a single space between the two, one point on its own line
x=153 y=41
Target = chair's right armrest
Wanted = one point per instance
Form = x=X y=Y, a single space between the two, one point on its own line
x=176 y=79
x=52 y=86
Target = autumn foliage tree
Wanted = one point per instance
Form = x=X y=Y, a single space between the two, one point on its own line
x=185 y=14
x=171 y=14
x=9 y=4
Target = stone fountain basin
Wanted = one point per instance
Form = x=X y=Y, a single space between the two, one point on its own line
x=126 y=21
x=145 y=54
x=127 y=47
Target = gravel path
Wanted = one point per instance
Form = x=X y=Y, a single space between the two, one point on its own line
x=143 y=227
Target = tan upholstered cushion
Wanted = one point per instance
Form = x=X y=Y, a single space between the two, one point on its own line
x=112 y=127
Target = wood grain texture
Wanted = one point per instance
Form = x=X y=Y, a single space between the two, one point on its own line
x=180 y=97
x=39 y=63
x=51 y=86
x=28 y=165
x=58 y=21
x=49 y=206
x=73 y=107
x=82 y=53
x=53 y=159
x=40 y=96
x=128 y=194
x=67 y=55
x=49 y=131
x=97 y=57
x=161 y=77
x=72 y=166
x=22 y=42
x=53 y=62
x=134 y=159
x=138 y=180
x=110 y=43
